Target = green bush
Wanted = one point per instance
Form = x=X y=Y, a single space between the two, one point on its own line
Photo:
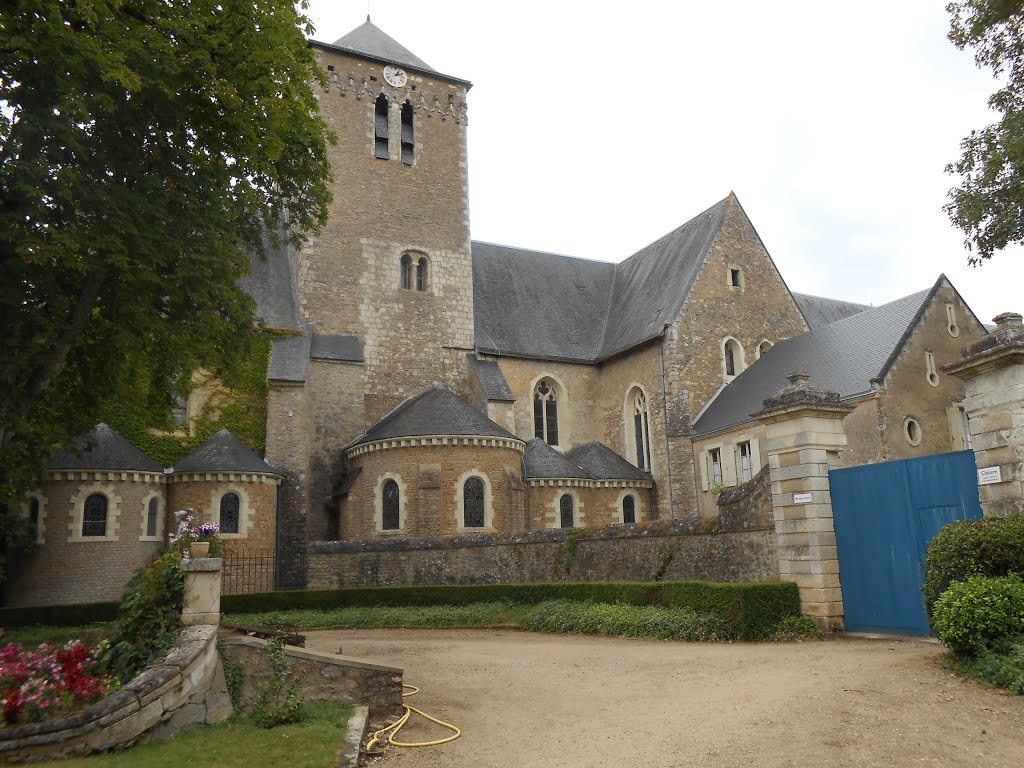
x=58 y=615
x=1002 y=666
x=753 y=608
x=974 y=615
x=792 y=628
x=148 y=618
x=992 y=546
x=609 y=620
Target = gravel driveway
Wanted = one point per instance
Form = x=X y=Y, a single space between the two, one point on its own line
x=527 y=700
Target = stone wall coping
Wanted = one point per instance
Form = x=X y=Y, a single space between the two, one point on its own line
x=474 y=441
x=319 y=657
x=201 y=564
x=192 y=642
x=658 y=528
x=981 y=359
x=828 y=410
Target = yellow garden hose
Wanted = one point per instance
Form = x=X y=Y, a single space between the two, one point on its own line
x=393 y=729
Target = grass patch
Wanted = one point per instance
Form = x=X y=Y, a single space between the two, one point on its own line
x=429 y=616
x=650 y=622
x=238 y=743
x=31 y=636
x=1002 y=666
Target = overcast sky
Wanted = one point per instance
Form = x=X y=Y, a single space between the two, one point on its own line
x=596 y=128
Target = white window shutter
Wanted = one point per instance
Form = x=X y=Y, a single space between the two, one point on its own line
x=755 y=457
x=729 y=466
x=704 y=459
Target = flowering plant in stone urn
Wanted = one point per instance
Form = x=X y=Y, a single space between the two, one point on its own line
x=195 y=540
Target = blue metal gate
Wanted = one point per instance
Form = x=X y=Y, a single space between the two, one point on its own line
x=885 y=515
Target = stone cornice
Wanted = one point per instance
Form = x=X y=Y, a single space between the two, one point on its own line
x=106 y=475
x=581 y=482
x=431 y=441
x=222 y=477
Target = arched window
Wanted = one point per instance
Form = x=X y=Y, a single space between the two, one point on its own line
x=545 y=412
x=380 y=128
x=407 y=138
x=406 y=271
x=763 y=347
x=151 y=516
x=639 y=425
x=34 y=510
x=732 y=354
x=230 y=509
x=421 y=273
x=565 y=506
x=628 y=509
x=391 y=520
x=94 y=515
x=473 y=503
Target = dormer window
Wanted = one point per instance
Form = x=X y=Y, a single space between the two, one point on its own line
x=380 y=128
x=407 y=133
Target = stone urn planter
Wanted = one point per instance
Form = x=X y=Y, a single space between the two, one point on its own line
x=199 y=549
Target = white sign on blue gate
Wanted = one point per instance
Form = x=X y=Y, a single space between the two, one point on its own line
x=988 y=475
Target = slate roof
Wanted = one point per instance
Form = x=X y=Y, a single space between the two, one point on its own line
x=542 y=305
x=603 y=463
x=103 y=448
x=223 y=453
x=434 y=411
x=491 y=380
x=270 y=283
x=370 y=41
x=333 y=346
x=542 y=460
x=819 y=311
x=844 y=357
x=289 y=358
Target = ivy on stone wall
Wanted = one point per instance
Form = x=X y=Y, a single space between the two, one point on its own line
x=148 y=423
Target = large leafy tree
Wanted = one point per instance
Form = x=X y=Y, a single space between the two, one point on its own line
x=988 y=205
x=145 y=145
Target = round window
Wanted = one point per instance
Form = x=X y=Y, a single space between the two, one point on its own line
x=912 y=431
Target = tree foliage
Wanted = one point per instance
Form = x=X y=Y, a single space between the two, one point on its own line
x=988 y=205
x=144 y=147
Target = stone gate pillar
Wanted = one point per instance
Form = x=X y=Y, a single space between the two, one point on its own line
x=804 y=427
x=993 y=372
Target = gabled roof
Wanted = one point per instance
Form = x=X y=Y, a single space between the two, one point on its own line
x=434 y=411
x=603 y=463
x=542 y=460
x=491 y=380
x=845 y=357
x=819 y=311
x=370 y=41
x=103 y=448
x=223 y=453
x=546 y=306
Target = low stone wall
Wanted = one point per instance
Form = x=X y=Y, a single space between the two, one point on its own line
x=186 y=688
x=738 y=547
x=320 y=675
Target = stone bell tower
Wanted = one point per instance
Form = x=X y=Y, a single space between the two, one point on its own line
x=393 y=265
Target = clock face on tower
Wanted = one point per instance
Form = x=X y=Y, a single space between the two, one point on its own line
x=395 y=76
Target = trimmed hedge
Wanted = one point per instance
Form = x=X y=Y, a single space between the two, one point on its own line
x=58 y=615
x=978 y=614
x=991 y=546
x=754 y=609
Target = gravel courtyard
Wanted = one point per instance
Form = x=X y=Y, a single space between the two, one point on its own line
x=529 y=700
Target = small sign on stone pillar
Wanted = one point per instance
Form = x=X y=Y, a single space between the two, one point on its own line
x=993 y=372
x=202 y=590
x=804 y=427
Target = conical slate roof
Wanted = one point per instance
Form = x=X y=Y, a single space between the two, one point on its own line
x=371 y=40
x=603 y=463
x=434 y=411
x=223 y=453
x=544 y=461
x=103 y=448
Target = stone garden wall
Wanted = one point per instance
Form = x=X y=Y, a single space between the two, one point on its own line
x=738 y=547
x=321 y=676
x=184 y=689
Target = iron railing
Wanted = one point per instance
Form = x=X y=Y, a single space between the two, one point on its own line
x=249 y=570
